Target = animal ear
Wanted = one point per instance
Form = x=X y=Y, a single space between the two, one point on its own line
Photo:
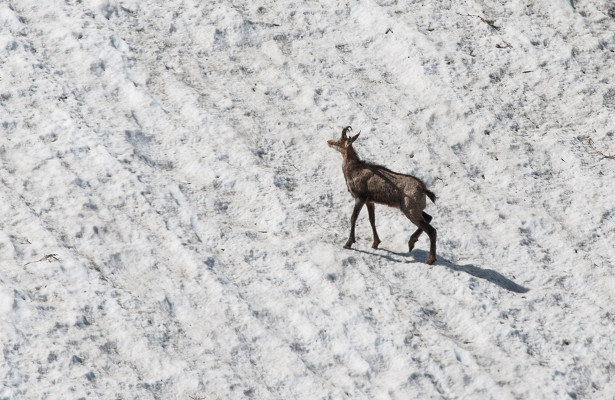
x=352 y=139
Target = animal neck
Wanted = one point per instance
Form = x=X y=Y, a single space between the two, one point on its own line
x=351 y=156
x=350 y=163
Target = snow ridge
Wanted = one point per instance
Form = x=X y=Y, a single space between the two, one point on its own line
x=172 y=220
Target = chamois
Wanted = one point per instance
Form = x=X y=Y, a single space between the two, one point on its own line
x=370 y=183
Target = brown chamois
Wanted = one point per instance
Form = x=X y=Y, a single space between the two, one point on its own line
x=370 y=183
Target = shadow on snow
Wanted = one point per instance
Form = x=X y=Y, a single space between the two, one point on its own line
x=482 y=273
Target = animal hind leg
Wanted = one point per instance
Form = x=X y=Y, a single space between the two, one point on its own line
x=420 y=220
x=372 y=221
x=415 y=236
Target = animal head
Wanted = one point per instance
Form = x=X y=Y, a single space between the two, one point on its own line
x=344 y=142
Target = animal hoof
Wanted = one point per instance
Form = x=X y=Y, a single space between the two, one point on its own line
x=347 y=245
x=375 y=245
x=430 y=260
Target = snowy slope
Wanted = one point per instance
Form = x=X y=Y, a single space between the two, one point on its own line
x=172 y=221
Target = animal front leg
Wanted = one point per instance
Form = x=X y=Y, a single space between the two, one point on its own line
x=372 y=221
x=358 y=204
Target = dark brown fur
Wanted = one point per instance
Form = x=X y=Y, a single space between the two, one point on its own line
x=371 y=183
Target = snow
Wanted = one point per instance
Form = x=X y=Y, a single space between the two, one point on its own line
x=172 y=221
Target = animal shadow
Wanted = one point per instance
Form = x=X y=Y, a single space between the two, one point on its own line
x=482 y=273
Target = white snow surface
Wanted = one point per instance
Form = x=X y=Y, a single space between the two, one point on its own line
x=172 y=220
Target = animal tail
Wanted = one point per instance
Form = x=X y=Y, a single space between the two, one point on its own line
x=431 y=195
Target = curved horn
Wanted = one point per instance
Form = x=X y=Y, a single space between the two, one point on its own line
x=346 y=129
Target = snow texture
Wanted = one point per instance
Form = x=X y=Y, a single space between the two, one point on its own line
x=172 y=221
